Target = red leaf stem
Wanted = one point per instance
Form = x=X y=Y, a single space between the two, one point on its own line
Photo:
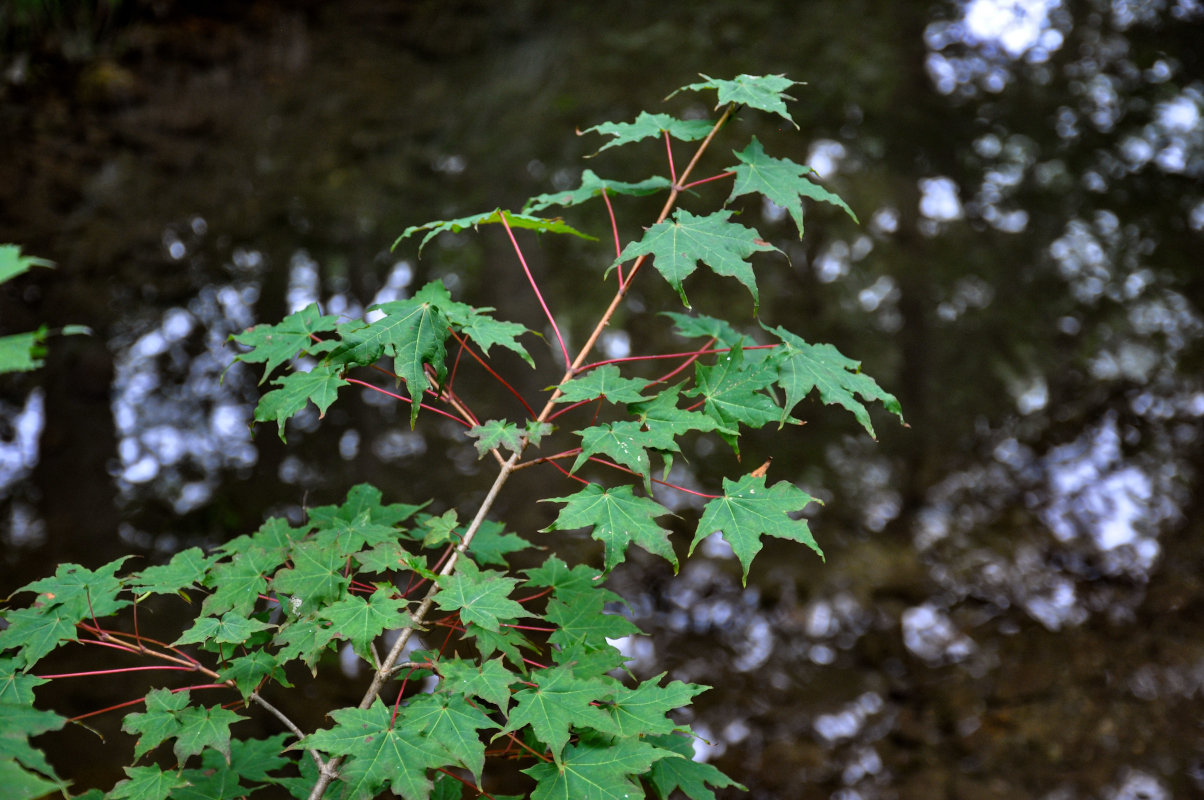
x=495 y=375
x=669 y=152
x=525 y=627
x=708 y=180
x=396 y=396
x=114 y=671
x=535 y=287
x=614 y=228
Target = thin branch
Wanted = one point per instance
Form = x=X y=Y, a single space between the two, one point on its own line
x=485 y=365
x=669 y=152
x=419 y=616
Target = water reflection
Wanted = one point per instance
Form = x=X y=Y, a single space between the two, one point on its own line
x=179 y=425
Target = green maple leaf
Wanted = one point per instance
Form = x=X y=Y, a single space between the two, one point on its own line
x=240 y=581
x=315 y=577
x=580 y=619
x=781 y=180
x=504 y=640
x=748 y=509
x=16 y=686
x=306 y=637
x=559 y=701
x=412 y=331
x=479 y=596
x=592 y=186
x=664 y=421
x=320 y=385
x=536 y=430
x=590 y=659
x=379 y=753
x=617 y=517
x=193 y=727
x=492 y=543
x=364 y=498
x=495 y=433
x=250 y=760
x=556 y=574
x=159 y=722
x=250 y=670
x=651 y=125
x=146 y=783
x=23 y=352
x=300 y=786
x=36 y=631
x=186 y=569
x=643 y=710
x=526 y=221
x=693 y=326
x=452 y=722
x=348 y=537
x=13 y=263
x=764 y=92
x=210 y=782
x=202 y=727
x=255 y=758
x=733 y=392
x=619 y=440
x=361 y=621
x=20 y=723
x=273 y=540
x=488 y=680
x=684 y=774
x=839 y=379
x=596 y=770
x=605 y=381
x=391 y=556
x=475 y=322
x=277 y=344
x=440 y=529
x=232 y=628
x=18 y=782
x=81 y=592
x=677 y=246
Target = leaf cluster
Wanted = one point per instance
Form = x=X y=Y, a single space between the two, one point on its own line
x=520 y=664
